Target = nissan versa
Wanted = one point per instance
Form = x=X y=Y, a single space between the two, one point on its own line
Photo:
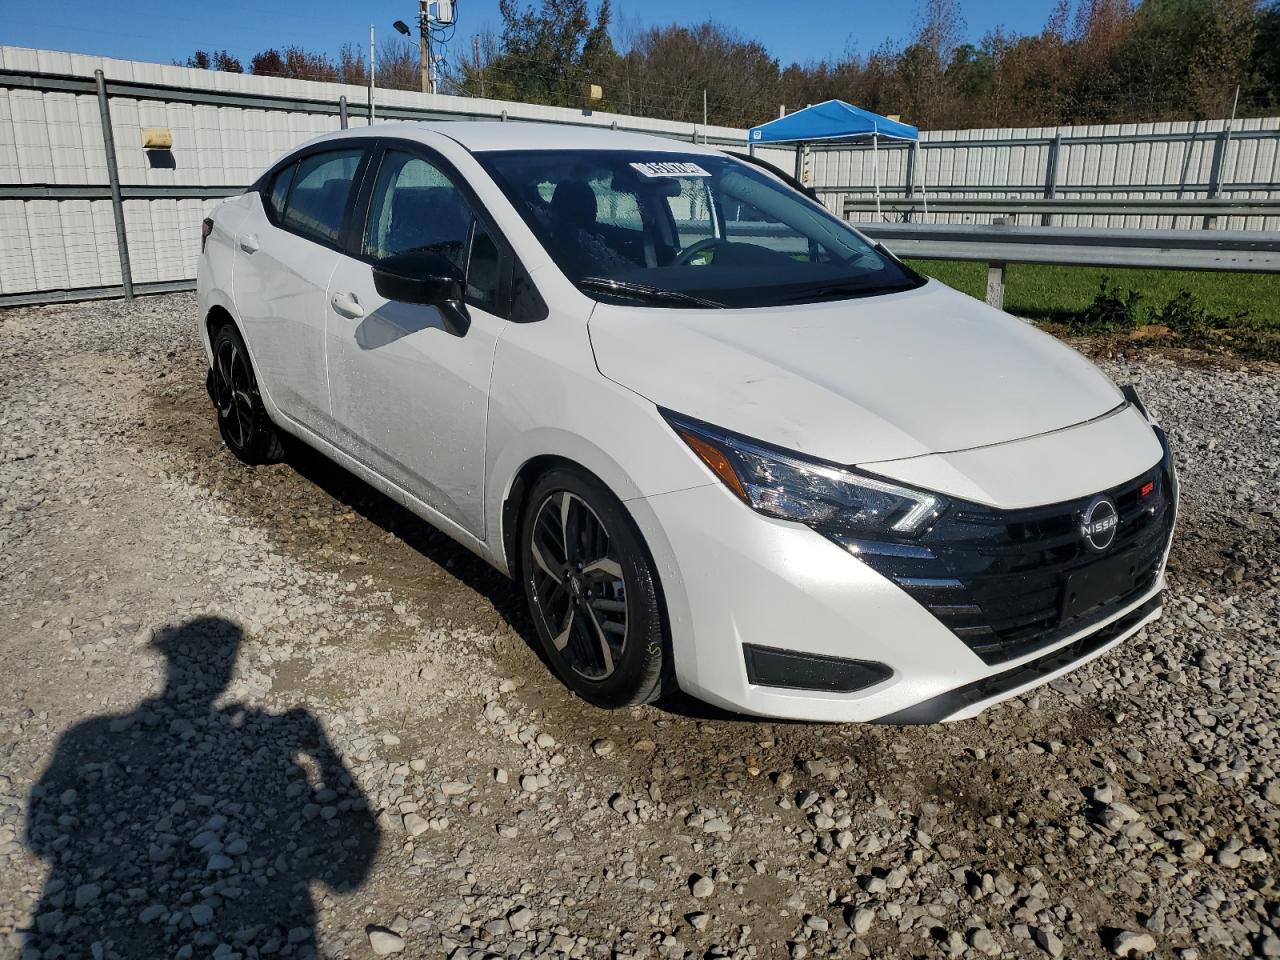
x=722 y=440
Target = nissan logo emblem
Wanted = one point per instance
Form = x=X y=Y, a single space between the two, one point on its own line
x=1098 y=523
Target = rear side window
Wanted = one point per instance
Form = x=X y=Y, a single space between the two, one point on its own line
x=279 y=191
x=318 y=198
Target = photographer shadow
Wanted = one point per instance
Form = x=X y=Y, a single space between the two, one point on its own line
x=188 y=828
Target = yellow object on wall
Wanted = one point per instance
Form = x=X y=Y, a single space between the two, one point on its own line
x=157 y=138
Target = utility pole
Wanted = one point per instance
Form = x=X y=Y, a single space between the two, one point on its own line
x=475 y=46
x=371 y=61
x=424 y=46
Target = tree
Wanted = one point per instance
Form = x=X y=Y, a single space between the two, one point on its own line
x=667 y=69
x=1094 y=61
x=352 y=66
x=399 y=66
x=268 y=63
x=215 y=60
x=296 y=64
x=1222 y=57
x=549 y=54
x=1264 y=82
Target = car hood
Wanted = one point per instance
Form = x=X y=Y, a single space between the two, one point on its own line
x=857 y=381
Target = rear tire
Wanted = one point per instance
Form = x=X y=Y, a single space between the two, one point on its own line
x=242 y=419
x=592 y=591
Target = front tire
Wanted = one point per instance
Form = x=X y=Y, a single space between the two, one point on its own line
x=592 y=591
x=242 y=419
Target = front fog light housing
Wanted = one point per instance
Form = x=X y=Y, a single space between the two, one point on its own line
x=834 y=500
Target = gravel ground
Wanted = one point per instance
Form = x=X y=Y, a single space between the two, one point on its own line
x=253 y=713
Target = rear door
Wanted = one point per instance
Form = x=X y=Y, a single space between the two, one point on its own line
x=410 y=389
x=286 y=251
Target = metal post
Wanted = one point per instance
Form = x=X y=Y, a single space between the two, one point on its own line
x=342 y=110
x=995 y=284
x=1051 y=177
x=1218 y=172
x=704 y=116
x=924 y=180
x=113 y=174
x=424 y=44
x=371 y=74
x=909 y=184
x=875 y=158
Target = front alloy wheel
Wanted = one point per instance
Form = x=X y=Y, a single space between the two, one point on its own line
x=582 y=597
x=591 y=591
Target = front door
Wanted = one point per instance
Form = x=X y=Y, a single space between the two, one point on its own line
x=409 y=389
x=286 y=253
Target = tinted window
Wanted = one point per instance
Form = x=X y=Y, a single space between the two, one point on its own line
x=279 y=191
x=692 y=212
x=318 y=199
x=484 y=270
x=701 y=225
x=417 y=208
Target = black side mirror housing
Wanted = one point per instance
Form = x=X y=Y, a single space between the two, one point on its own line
x=427 y=279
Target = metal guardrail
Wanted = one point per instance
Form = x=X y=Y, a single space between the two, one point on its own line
x=1240 y=251
x=83 y=191
x=77 y=294
x=1040 y=206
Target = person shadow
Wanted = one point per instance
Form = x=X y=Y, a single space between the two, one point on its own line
x=191 y=828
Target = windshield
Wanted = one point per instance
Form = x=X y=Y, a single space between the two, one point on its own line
x=648 y=228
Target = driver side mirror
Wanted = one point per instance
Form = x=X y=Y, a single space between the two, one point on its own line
x=427 y=279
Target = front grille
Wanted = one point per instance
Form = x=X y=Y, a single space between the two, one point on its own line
x=996 y=578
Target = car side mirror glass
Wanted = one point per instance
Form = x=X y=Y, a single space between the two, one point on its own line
x=428 y=279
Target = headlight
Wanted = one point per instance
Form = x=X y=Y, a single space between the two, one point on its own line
x=829 y=498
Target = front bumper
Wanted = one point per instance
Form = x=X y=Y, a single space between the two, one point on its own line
x=735 y=580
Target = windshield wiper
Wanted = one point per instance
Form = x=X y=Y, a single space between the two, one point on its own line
x=643 y=291
x=851 y=287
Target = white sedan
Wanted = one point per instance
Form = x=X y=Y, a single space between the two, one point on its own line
x=723 y=441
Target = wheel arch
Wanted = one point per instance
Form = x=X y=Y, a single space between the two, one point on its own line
x=218 y=317
x=513 y=505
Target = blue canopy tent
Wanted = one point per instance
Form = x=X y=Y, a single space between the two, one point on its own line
x=834 y=120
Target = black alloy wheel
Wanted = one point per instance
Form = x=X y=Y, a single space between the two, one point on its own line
x=242 y=419
x=591 y=591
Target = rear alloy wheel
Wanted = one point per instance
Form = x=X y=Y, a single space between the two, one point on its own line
x=591 y=591
x=242 y=419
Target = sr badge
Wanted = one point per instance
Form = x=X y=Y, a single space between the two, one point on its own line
x=1098 y=523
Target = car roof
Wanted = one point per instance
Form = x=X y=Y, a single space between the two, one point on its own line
x=486 y=135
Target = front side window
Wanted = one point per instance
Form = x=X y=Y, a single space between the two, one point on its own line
x=654 y=229
x=318 y=198
x=417 y=213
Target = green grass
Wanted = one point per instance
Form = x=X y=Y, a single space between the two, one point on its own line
x=1057 y=294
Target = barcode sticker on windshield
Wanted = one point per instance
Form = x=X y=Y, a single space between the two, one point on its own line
x=670 y=168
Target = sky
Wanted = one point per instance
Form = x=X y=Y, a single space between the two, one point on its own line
x=164 y=32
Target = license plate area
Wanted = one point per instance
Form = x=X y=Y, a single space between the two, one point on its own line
x=1100 y=582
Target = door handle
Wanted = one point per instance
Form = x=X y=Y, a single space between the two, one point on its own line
x=249 y=243
x=347 y=305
